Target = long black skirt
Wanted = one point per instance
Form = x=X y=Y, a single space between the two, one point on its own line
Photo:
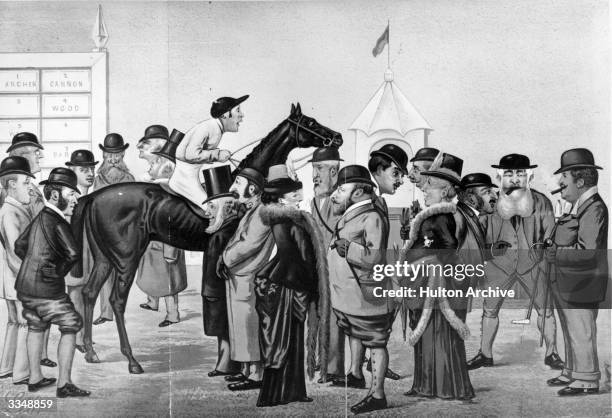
x=288 y=383
x=440 y=367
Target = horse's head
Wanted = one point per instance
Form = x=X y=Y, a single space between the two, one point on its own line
x=310 y=133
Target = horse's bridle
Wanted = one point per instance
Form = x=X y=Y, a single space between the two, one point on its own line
x=326 y=141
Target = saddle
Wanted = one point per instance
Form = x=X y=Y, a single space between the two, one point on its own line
x=196 y=209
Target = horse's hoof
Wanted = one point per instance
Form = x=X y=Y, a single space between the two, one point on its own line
x=91 y=357
x=136 y=369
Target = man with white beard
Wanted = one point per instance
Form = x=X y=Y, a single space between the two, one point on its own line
x=112 y=171
x=522 y=218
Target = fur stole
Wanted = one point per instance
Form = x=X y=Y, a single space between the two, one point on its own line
x=434 y=281
x=319 y=311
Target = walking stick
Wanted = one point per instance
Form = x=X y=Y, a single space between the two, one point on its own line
x=527 y=319
x=547 y=243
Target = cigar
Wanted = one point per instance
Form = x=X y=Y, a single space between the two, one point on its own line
x=558 y=190
x=511 y=189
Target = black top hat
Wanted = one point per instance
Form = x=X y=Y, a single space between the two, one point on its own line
x=225 y=104
x=514 y=162
x=577 y=158
x=217 y=182
x=62 y=176
x=155 y=131
x=447 y=167
x=395 y=154
x=113 y=143
x=82 y=157
x=325 y=154
x=169 y=149
x=354 y=174
x=15 y=165
x=24 y=139
x=476 y=180
x=425 y=154
x=253 y=175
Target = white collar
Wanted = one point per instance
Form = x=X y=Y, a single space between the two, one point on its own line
x=591 y=191
x=54 y=208
x=473 y=210
x=13 y=201
x=356 y=205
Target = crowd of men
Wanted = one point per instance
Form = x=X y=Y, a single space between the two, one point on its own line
x=274 y=276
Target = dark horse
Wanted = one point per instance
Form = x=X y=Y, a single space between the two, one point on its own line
x=122 y=219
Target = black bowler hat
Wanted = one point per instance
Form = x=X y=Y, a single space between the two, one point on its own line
x=355 y=174
x=514 y=162
x=253 y=175
x=447 y=167
x=217 y=182
x=395 y=154
x=225 y=104
x=15 y=165
x=62 y=176
x=325 y=154
x=82 y=157
x=577 y=158
x=425 y=154
x=279 y=181
x=155 y=131
x=113 y=143
x=24 y=139
x=169 y=149
x=476 y=180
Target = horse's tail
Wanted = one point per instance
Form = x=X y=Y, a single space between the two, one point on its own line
x=77 y=222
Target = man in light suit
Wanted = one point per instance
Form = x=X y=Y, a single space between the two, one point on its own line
x=246 y=253
x=523 y=217
x=15 y=180
x=359 y=244
x=325 y=167
x=580 y=271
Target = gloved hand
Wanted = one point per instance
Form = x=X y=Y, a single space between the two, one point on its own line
x=341 y=246
x=405 y=232
x=221 y=268
x=224 y=155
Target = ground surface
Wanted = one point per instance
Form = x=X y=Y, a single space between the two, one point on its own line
x=177 y=359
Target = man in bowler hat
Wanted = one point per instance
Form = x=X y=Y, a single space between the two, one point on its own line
x=83 y=163
x=155 y=136
x=201 y=146
x=49 y=251
x=112 y=171
x=578 y=256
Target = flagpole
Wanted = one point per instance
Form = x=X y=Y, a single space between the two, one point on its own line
x=388 y=44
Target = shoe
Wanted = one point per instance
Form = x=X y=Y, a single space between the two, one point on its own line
x=570 y=391
x=71 y=390
x=330 y=378
x=554 y=361
x=166 y=323
x=555 y=381
x=22 y=382
x=411 y=392
x=216 y=373
x=351 y=382
x=245 y=385
x=48 y=363
x=480 y=360
x=4 y=376
x=389 y=374
x=305 y=399
x=368 y=404
x=236 y=378
x=147 y=307
x=101 y=320
x=43 y=383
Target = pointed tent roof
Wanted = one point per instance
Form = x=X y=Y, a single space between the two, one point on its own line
x=389 y=109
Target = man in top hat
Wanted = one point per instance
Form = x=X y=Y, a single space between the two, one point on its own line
x=162 y=271
x=246 y=252
x=358 y=245
x=292 y=284
x=522 y=217
x=83 y=163
x=201 y=146
x=325 y=168
x=221 y=208
x=49 y=251
x=25 y=144
x=113 y=170
x=16 y=183
x=578 y=256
